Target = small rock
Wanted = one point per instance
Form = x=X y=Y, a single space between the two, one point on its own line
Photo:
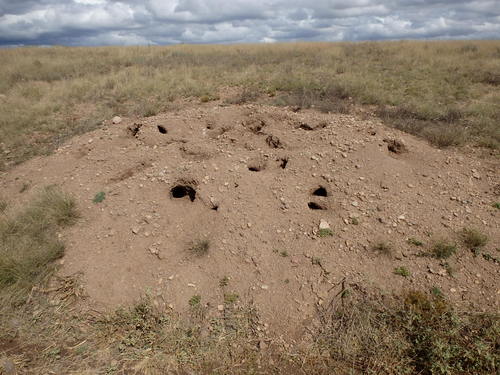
x=135 y=230
x=323 y=224
x=116 y=120
x=355 y=204
x=220 y=307
x=264 y=287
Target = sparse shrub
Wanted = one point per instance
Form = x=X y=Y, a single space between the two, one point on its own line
x=3 y=205
x=496 y=205
x=411 y=334
x=444 y=135
x=284 y=253
x=200 y=247
x=402 y=271
x=474 y=239
x=443 y=249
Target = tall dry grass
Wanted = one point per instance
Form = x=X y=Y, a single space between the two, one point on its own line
x=447 y=92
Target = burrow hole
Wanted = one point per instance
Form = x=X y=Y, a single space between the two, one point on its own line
x=320 y=192
x=256 y=165
x=181 y=191
x=162 y=129
x=215 y=207
x=316 y=206
x=283 y=162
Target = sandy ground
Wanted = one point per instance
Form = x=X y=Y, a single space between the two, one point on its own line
x=254 y=171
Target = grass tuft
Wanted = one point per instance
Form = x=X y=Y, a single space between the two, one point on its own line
x=402 y=271
x=473 y=238
x=325 y=232
x=29 y=243
x=382 y=247
x=443 y=249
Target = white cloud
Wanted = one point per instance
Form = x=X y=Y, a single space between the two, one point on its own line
x=95 y=22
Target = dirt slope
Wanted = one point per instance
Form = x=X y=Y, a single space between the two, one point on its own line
x=254 y=171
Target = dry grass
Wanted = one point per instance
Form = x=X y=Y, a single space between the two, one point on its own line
x=473 y=238
x=29 y=244
x=446 y=92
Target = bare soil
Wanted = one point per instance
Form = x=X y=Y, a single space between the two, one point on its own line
x=255 y=181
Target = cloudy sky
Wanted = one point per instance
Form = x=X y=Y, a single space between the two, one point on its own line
x=132 y=22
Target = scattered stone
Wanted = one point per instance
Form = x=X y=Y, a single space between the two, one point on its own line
x=117 y=120
x=355 y=204
x=220 y=307
x=264 y=287
x=323 y=224
x=136 y=230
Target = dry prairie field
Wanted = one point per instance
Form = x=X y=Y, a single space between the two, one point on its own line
x=300 y=208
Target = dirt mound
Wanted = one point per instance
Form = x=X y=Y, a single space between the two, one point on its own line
x=252 y=184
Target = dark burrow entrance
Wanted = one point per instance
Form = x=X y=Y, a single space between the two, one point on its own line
x=181 y=191
x=162 y=129
x=320 y=192
x=283 y=162
x=316 y=206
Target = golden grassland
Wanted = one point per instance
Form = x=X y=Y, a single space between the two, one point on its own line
x=447 y=92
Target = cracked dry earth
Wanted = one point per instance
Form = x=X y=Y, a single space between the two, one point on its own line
x=255 y=181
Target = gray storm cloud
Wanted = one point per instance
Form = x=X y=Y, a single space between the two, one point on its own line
x=132 y=22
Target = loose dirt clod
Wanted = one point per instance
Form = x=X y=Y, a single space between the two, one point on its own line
x=396 y=146
x=283 y=162
x=273 y=141
x=134 y=129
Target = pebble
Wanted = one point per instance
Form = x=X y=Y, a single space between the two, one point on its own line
x=323 y=224
x=355 y=204
x=116 y=120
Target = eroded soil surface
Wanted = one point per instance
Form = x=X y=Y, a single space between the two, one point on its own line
x=255 y=181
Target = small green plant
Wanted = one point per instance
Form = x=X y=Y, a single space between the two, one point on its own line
x=287 y=281
x=382 y=247
x=99 y=197
x=3 y=206
x=200 y=247
x=325 y=232
x=224 y=282
x=195 y=300
x=230 y=298
x=435 y=291
x=474 y=239
x=402 y=271
x=284 y=253
x=354 y=221
x=443 y=249
x=496 y=205
x=415 y=242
